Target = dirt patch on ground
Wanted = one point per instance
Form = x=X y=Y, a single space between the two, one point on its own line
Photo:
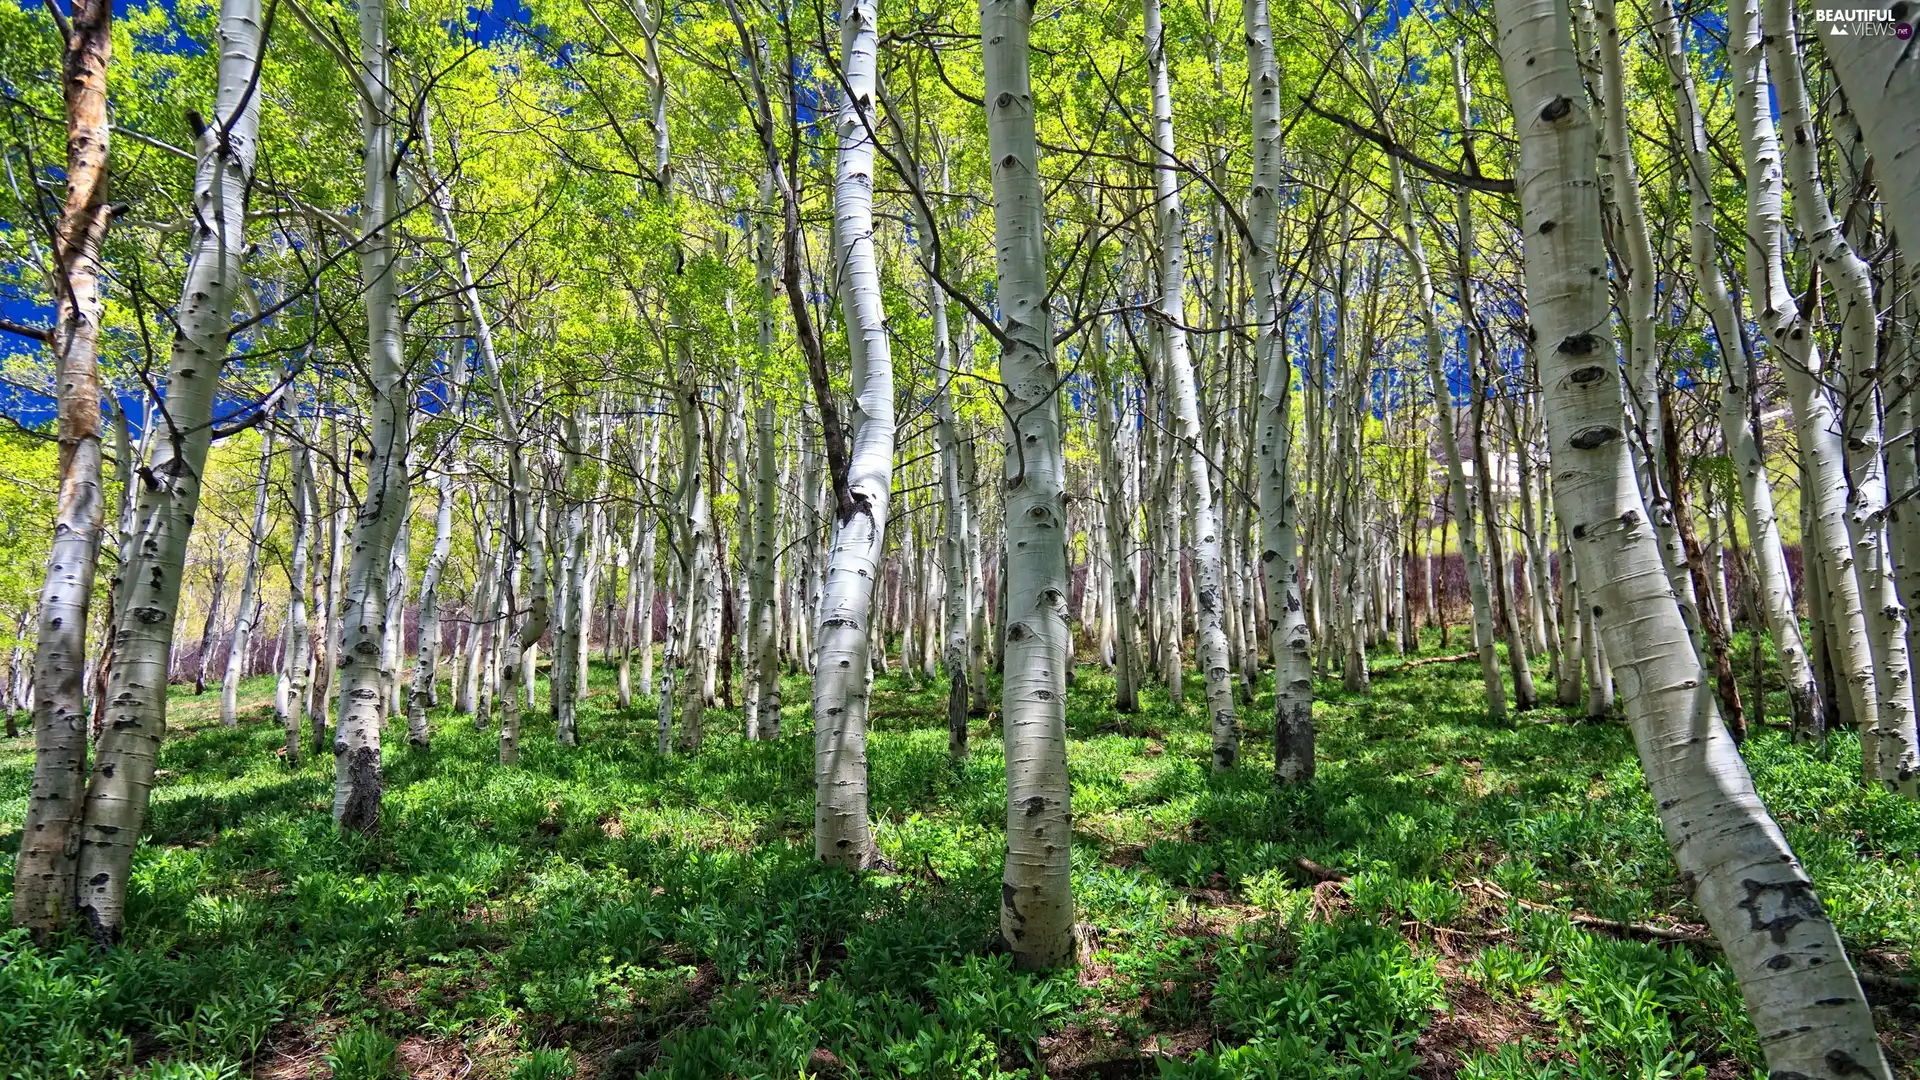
x=1474 y=1022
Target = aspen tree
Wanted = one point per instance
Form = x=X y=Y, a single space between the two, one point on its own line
x=1036 y=905
x=1801 y=993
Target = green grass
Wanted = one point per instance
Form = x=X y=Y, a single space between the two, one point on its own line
x=604 y=911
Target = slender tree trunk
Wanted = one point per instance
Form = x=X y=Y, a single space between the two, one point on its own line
x=246 y=618
x=43 y=877
x=358 y=780
x=763 y=710
x=1209 y=588
x=1118 y=511
x=1754 y=894
x=1736 y=388
x=954 y=518
x=217 y=592
x=1293 y=733
x=299 y=634
x=842 y=833
x=1822 y=452
x=1036 y=905
x=1890 y=751
x=122 y=778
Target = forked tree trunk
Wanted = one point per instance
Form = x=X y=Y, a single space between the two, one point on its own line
x=122 y=779
x=1036 y=896
x=43 y=889
x=1800 y=991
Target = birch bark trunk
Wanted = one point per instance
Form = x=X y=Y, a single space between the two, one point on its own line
x=1816 y=423
x=1209 y=588
x=1736 y=386
x=1036 y=904
x=43 y=874
x=842 y=682
x=246 y=618
x=358 y=780
x=1756 y=897
x=1293 y=734
x=1893 y=738
x=299 y=634
x=122 y=778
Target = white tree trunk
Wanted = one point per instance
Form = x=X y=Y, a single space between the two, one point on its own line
x=954 y=519
x=1816 y=424
x=763 y=694
x=246 y=618
x=1293 y=732
x=299 y=655
x=44 y=871
x=842 y=834
x=1208 y=584
x=358 y=781
x=122 y=779
x=1890 y=751
x=1036 y=898
x=1754 y=894
x=1736 y=389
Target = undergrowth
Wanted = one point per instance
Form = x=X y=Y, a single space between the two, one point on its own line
x=605 y=911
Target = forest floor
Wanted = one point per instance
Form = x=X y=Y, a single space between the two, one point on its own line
x=1451 y=898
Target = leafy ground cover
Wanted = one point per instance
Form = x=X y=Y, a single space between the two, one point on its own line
x=1451 y=898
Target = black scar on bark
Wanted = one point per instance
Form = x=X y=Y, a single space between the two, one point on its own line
x=1778 y=907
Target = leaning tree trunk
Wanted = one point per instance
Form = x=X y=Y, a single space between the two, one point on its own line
x=1800 y=991
x=1736 y=390
x=842 y=833
x=1881 y=76
x=122 y=780
x=427 y=660
x=1209 y=592
x=1036 y=896
x=43 y=893
x=357 y=778
x=246 y=619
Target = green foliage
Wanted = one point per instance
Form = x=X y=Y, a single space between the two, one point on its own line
x=363 y=1052
x=668 y=911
